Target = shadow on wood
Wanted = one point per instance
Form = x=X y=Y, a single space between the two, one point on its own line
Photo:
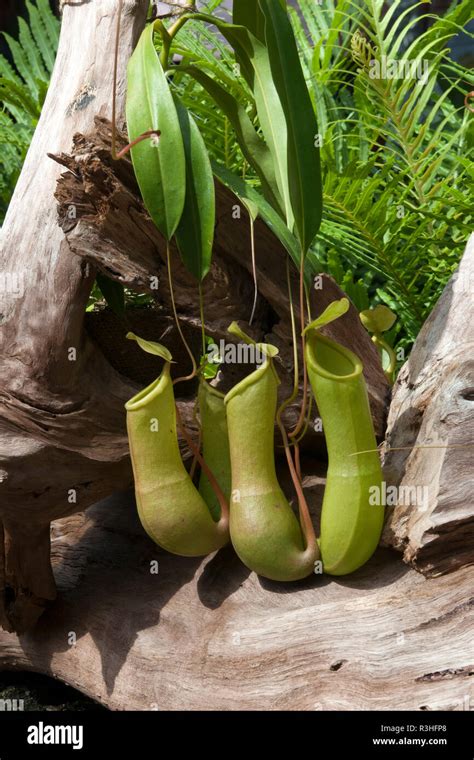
x=207 y=634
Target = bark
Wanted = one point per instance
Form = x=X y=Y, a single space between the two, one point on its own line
x=209 y=635
x=432 y=407
x=61 y=421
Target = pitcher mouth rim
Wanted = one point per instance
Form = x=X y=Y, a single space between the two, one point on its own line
x=248 y=381
x=143 y=397
x=349 y=355
x=213 y=391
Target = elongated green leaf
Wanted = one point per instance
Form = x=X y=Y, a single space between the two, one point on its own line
x=113 y=293
x=271 y=115
x=195 y=232
x=248 y=13
x=160 y=169
x=303 y=167
x=21 y=62
x=244 y=191
x=157 y=349
x=251 y=144
x=31 y=50
x=40 y=35
x=51 y=22
x=18 y=96
x=255 y=67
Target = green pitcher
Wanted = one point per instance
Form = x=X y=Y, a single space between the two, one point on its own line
x=350 y=525
x=264 y=530
x=171 y=509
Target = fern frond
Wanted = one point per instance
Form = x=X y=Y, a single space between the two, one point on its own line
x=40 y=34
x=22 y=90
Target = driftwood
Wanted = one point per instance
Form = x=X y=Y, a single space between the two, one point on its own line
x=199 y=633
x=432 y=406
x=207 y=634
x=63 y=442
x=61 y=418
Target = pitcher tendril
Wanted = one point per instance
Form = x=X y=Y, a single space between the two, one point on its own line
x=177 y=322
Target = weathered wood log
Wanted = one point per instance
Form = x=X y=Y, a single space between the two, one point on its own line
x=62 y=436
x=207 y=634
x=433 y=408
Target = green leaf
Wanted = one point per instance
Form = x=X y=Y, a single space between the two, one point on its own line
x=251 y=144
x=21 y=62
x=303 y=165
x=195 y=232
x=255 y=66
x=378 y=320
x=113 y=293
x=245 y=192
x=251 y=207
x=31 y=50
x=285 y=112
x=40 y=34
x=19 y=97
x=157 y=349
x=335 y=310
x=249 y=14
x=51 y=22
x=160 y=170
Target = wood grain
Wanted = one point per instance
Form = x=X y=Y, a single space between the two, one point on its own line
x=433 y=406
x=61 y=419
x=207 y=634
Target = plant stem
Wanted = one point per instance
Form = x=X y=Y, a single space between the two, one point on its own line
x=167 y=35
x=151 y=132
x=294 y=392
x=201 y=312
x=209 y=474
x=178 y=326
x=302 y=415
x=254 y=268
x=114 y=94
x=305 y=517
x=199 y=427
x=195 y=459
x=167 y=40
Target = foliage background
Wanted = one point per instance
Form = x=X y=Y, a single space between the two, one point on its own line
x=395 y=154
